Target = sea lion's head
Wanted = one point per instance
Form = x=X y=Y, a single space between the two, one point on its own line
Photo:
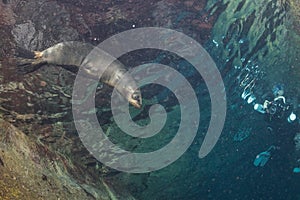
x=135 y=99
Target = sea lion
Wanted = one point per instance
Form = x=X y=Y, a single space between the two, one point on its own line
x=75 y=54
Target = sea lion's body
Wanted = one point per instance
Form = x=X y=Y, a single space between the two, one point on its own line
x=76 y=54
x=65 y=53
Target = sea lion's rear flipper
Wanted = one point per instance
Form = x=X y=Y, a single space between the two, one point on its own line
x=24 y=53
x=28 y=61
x=25 y=65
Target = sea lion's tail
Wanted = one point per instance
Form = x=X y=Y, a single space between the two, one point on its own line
x=28 y=61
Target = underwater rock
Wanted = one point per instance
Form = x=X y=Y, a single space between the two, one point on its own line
x=295 y=10
x=7 y=15
x=31 y=170
x=25 y=35
x=39 y=24
x=42 y=24
x=251 y=35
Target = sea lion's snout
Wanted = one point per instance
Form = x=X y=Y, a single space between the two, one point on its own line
x=136 y=99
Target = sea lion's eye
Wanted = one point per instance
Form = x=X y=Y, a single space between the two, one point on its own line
x=135 y=96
